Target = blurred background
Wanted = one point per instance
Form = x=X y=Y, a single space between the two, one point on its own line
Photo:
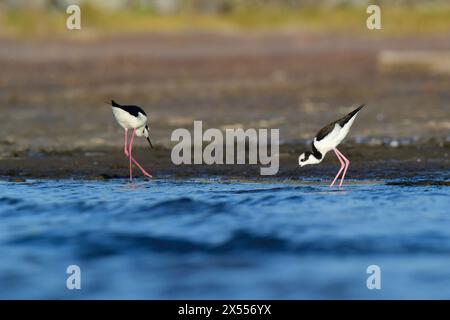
x=288 y=64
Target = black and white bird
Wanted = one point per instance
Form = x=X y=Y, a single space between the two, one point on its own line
x=328 y=138
x=132 y=117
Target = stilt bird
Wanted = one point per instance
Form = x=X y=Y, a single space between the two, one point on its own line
x=132 y=117
x=328 y=138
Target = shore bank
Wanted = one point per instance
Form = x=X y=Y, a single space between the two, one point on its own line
x=430 y=161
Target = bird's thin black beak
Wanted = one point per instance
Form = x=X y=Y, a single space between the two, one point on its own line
x=148 y=139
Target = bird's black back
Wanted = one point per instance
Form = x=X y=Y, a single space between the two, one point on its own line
x=342 y=121
x=133 y=110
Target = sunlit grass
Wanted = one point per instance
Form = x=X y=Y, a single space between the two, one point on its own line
x=395 y=20
x=30 y=23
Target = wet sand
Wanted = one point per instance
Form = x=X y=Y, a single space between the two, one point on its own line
x=427 y=162
x=55 y=124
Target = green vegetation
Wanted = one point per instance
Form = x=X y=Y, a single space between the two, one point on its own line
x=395 y=20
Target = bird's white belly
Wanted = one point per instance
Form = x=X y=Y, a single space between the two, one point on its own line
x=333 y=139
x=127 y=120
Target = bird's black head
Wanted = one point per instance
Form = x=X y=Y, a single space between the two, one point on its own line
x=307 y=158
x=304 y=157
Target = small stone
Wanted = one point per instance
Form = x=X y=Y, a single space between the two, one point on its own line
x=375 y=142
x=394 y=144
x=380 y=117
x=359 y=140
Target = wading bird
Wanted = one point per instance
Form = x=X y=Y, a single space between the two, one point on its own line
x=328 y=138
x=132 y=117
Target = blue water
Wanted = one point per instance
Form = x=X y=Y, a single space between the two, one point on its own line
x=211 y=239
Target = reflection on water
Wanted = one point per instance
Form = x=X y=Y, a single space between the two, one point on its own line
x=212 y=239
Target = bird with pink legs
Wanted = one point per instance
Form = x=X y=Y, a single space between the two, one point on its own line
x=132 y=117
x=328 y=138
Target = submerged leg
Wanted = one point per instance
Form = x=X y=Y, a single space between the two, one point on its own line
x=340 y=170
x=347 y=163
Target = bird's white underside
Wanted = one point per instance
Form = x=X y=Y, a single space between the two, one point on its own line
x=334 y=138
x=128 y=121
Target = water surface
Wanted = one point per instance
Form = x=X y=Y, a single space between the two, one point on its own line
x=211 y=239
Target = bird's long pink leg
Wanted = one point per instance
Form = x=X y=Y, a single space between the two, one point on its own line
x=347 y=163
x=145 y=173
x=126 y=142
x=131 y=157
x=128 y=154
x=340 y=170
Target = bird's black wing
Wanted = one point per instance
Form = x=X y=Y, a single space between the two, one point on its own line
x=347 y=118
x=328 y=128
x=133 y=110
x=325 y=131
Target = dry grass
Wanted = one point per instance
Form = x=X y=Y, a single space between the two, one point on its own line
x=395 y=21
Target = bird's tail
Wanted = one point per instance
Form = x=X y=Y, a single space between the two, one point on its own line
x=114 y=104
x=351 y=114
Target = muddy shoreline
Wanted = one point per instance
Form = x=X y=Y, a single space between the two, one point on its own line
x=55 y=123
x=430 y=162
